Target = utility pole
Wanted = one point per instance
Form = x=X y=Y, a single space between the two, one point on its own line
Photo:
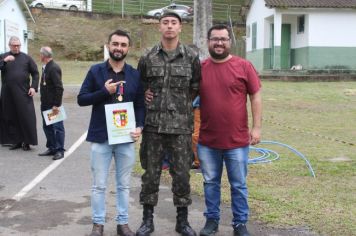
x=203 y=20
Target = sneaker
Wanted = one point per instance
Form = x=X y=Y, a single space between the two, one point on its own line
x=210 y=228
x=240 y=230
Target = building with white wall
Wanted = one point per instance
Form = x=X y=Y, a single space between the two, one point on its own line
x=313 y=34
x=13 y=23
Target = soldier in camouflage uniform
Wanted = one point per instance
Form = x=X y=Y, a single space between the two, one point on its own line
x=170 y=74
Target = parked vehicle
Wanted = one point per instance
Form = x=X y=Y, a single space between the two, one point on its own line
x=72 y=5
x=182 y=10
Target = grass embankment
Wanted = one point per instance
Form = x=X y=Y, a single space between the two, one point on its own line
x=79 y=38
x=316 y=118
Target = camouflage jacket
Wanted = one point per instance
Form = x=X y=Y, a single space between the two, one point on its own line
x=173 y=82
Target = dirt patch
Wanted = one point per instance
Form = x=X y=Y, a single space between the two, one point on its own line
x=340 y=159
x=350 y=92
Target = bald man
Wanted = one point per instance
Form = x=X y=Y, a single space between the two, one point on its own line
x=51 y=90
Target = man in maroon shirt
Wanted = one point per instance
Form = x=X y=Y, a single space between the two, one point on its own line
x=226 y=82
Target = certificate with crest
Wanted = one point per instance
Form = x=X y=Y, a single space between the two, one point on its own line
x=51 y=118
x=120 y=121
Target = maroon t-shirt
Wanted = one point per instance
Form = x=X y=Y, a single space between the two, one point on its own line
x=223 y=96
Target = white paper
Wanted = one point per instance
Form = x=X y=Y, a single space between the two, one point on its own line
x=51 y=119
x=120 y=121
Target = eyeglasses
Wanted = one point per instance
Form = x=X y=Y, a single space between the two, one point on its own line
x=15 y=45
x=216 y=40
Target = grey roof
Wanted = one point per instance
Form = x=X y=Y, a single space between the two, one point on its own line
x=311 y=3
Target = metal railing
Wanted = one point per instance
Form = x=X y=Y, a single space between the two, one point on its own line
x=221 y=12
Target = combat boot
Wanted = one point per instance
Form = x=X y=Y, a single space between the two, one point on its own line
x=182 y=225
x=147 y=226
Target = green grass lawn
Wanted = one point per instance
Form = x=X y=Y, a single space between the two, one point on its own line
x=74 y=72
x=318 y=120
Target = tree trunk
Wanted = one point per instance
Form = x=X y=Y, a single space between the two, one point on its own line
x=202 y=22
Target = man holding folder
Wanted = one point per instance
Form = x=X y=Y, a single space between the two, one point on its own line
x=51 y=90
x=110 y=82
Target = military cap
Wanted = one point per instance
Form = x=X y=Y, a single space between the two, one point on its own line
x=172 y=14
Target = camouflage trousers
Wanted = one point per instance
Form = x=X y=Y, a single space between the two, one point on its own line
x=154 y=148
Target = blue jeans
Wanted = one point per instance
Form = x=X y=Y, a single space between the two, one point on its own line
x=212 y=163
x=101 y=155
x=55 y=133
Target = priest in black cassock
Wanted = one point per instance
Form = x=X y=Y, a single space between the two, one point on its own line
x=18 y=117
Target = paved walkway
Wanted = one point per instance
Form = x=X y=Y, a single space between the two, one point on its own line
x=53 y=198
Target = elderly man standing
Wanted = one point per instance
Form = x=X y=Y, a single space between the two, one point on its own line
x=51 y=98
x=17 y=91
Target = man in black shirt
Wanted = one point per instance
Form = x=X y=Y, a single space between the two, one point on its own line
x=17 y=91
x=51 y=98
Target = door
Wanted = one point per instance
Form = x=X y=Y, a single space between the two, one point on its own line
x=285 y=46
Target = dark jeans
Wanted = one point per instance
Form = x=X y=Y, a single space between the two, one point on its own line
x=55 y=133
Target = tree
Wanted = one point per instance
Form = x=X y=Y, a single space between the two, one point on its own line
x=202 y=22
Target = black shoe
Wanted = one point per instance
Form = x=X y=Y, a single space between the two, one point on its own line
x=182 y=225
x=147 y=226
x=185 y=229
x=48 y=152
x=15 y=146
x=26 y=147
x=210 y=228
x=240 y=230
x=58 y=155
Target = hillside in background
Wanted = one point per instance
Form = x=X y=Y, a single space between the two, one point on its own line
x=81 y=36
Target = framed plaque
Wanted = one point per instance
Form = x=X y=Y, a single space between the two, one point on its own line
x=120 y=121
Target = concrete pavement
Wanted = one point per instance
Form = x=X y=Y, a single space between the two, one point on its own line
x=59 y=202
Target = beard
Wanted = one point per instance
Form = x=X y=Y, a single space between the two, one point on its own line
x=14 y=53
x=117 y=55
x=219 y=56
